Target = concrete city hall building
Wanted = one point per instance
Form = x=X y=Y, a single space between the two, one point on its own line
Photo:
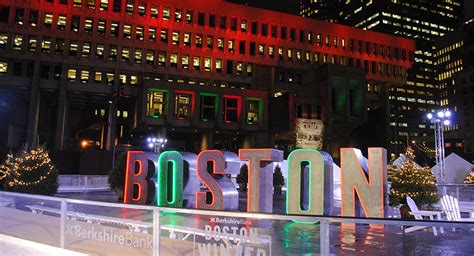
x=92 y=74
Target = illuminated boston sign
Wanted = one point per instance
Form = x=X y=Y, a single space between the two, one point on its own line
x=172 y=179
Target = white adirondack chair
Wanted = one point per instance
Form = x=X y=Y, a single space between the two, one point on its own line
x=450 y=206
x=419 y=214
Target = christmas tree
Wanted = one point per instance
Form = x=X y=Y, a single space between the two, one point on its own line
x=469 y=178
x=33 y=172
x=411 y=180
x=5 y=169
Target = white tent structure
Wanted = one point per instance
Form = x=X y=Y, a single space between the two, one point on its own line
x=399 y=161
x=457 y=168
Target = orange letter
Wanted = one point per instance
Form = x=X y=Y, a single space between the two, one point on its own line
x=136 y=184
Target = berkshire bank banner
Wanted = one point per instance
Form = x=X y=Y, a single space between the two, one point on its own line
x=309 y=133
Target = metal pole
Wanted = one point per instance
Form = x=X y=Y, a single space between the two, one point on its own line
x=156 y=232
x=443 y=166
x=436 y=149
x=62 y=223
x=324 y=237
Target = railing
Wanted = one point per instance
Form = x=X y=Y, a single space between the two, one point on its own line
x=463 y=192
x=85 y=183
x=117 y=229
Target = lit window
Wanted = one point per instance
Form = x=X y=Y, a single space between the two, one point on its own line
x=150 y=57
x=219 y=66
x=183 y=106
x=261 y=49
x=156 y=103
x=73 y=47
x=133 y=80
x=207 y=64
x=164 y=35
x=123 y=79
x=98 y=77
x=125 y=54
x=166 y=13
x=61 y=22
x=99 y=51
x=243 y=25
x=32 y=44
x=174 y=60
x=231 y=109
x=239 y=68
x=46 y=44
x=161 y=59
x=33 y=18
x=114 y=29
x=230 y=45
x=3 y=67
x=138 y=56
x=220 y=44
x=271 y=51
x=249 y=69
x=175 y=38
x=154 y=11
x=141 y=9
x=84 y=76
x=253 y=111
x=91 y=4
x=189 y=17
x=48 y=19
x=77 y=3
x=88 y=26
x=208 y=107
x=178 y=15
x=104 y=4
x=187 y=39
x=139 y=33
x=197 y=63
x=152 y=34
x=185 y=61
x=112 y=52
x=71 y=74
x=127 y=31
x=86 y=49
x=101 y=27
x=110 y=78
x=199 y=41
x=129 y=7
x=210 y=42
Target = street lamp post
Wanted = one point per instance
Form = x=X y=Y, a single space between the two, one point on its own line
x=156 y=143
x=439 y=120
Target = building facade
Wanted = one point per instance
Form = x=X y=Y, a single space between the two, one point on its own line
x=96 y=73
x=423 y=21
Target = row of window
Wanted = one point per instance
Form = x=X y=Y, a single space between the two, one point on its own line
x=157 y=106
x=184 y=61
x=117 y=29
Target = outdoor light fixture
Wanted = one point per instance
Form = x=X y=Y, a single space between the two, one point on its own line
x=440 y=119
x=156 y=143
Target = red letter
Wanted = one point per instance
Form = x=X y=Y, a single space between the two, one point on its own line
x=218 y=161
x=135 y=177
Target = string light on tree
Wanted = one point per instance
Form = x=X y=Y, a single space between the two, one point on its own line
x=469 y=178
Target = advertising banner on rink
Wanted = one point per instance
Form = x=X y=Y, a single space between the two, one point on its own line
x=309 y=133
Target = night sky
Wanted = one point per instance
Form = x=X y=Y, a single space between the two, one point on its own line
x=288 y=6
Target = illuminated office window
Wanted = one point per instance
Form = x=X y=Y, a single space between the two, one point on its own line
x=129 y=7
x=86 y=49
x=150 y=57
x=253 y=111
x=114 y=29
x=207 y=64
x=243 y=25
x=110 y=78
x=73 y=48
x=185 y=61
x=154 y=12
x=156 y=103
x=174 y=60
x=88 y=26
x=138 y=56
x=218 y=66
x=48 y=19
x=62 y=22
x=84 y=76
x=197 y=63
x=161 y=59
x=178 y=15
x=199 y=41
x=71 y=74
x=77 y=3
x=98 y=77
x=166 y=13
x=32 y=44
x=187 y=39
x=139 y=33
x=175 y=38
x=3 y=67
x=220 y=44
x=45 y=44
x=104 y=5
x=91 y=4
x=230 y=45
x=127 y=31
x=125 y=54
x=183 y=105
x=141 y=9
x=112 y=52
x=189 y=17
x=99 y=51
x=101 y=27
x=152 y=34
x=164 y=36
x=210 y=42
x=33 y=20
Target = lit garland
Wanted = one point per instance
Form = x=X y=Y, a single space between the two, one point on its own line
x=31 y=161
x=469 y=178
x=5 y=168
x=410 y=180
